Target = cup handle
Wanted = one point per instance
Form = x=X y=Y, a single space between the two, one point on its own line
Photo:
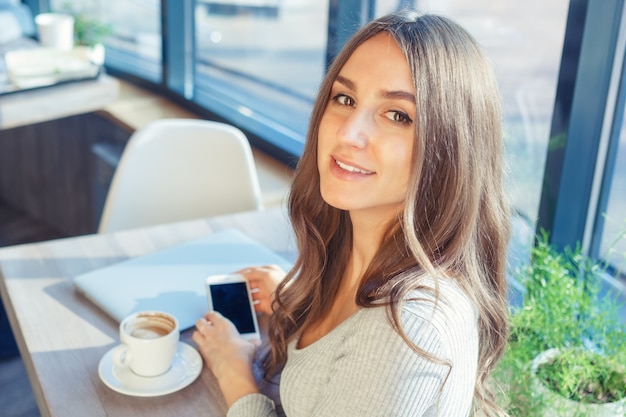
x=122 y=356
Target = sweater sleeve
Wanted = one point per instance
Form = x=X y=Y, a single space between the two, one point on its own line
x=257 y=405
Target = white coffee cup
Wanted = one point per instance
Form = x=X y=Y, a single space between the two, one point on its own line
x=149 y=340
x=55 y=30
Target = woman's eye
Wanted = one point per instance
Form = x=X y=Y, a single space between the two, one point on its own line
x=399 y=117
x=344 y=100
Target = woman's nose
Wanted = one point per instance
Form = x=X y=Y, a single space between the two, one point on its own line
x=356 y=129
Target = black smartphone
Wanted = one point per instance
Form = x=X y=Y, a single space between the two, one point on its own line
x=230 y=296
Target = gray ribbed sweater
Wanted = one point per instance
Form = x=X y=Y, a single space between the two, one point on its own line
x=364 y=368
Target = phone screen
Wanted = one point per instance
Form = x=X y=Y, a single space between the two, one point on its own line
x=231 y=300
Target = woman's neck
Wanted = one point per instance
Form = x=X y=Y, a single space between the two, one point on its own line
x=367 y=236
x=367 y=233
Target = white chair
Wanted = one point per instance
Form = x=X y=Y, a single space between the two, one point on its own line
x=179 y=169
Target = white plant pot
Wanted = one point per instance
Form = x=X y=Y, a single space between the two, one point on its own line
x=555 y=405
x=94 y=54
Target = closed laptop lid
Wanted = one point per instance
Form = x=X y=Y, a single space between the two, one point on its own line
x=174 y=279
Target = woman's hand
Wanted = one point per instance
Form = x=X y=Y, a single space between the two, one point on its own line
x=227 y=355
x=263 y=281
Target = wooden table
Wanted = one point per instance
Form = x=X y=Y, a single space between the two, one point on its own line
x=62 y=336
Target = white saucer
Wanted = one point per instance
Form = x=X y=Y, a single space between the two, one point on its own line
x=185 y=369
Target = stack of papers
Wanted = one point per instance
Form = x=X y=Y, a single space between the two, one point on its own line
x=37 y=67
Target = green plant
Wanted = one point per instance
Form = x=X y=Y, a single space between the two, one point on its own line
x=88 y=29
x=564 y=308
x=584 y=376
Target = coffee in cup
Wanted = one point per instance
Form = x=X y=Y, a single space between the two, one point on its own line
x=149 y=340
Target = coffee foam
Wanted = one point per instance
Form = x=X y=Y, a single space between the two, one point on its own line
x=148 y=331
x=150 y=326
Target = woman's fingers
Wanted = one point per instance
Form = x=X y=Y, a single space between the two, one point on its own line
x=263 y=281
x=262 y=272
x=203 y=325
x=215 y=325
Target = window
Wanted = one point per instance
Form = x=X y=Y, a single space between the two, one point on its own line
x=613 y=243
x=259 y=63
x=584 y=186
x=134 y=45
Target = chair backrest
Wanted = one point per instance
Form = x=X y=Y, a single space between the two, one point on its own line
x=180 y=169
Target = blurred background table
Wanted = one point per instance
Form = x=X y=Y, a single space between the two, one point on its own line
x=35 y=103
x=31 y=106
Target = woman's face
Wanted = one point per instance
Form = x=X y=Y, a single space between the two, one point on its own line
x=367 y=131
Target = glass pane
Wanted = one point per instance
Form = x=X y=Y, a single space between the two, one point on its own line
x=261 y=60
x=524 y=40
x=613 y=245
x=134 y=44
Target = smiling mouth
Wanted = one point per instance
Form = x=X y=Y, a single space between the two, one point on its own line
x=350 y=168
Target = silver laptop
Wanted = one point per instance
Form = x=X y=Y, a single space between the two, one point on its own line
x=173 y=279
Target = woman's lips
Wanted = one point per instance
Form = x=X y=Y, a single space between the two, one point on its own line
x=351 y=168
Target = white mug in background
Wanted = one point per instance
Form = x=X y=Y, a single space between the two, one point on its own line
x=149 y=341
x=55 y=30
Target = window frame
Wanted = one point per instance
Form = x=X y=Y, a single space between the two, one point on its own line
x=586 y=121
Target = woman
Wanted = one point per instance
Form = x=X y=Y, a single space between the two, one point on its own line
x=396 y=305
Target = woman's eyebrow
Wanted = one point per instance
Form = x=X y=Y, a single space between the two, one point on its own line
x=393 y=94
x=346 y=82
x=399 y=95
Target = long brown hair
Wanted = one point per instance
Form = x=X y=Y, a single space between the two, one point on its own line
x=455 y=220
